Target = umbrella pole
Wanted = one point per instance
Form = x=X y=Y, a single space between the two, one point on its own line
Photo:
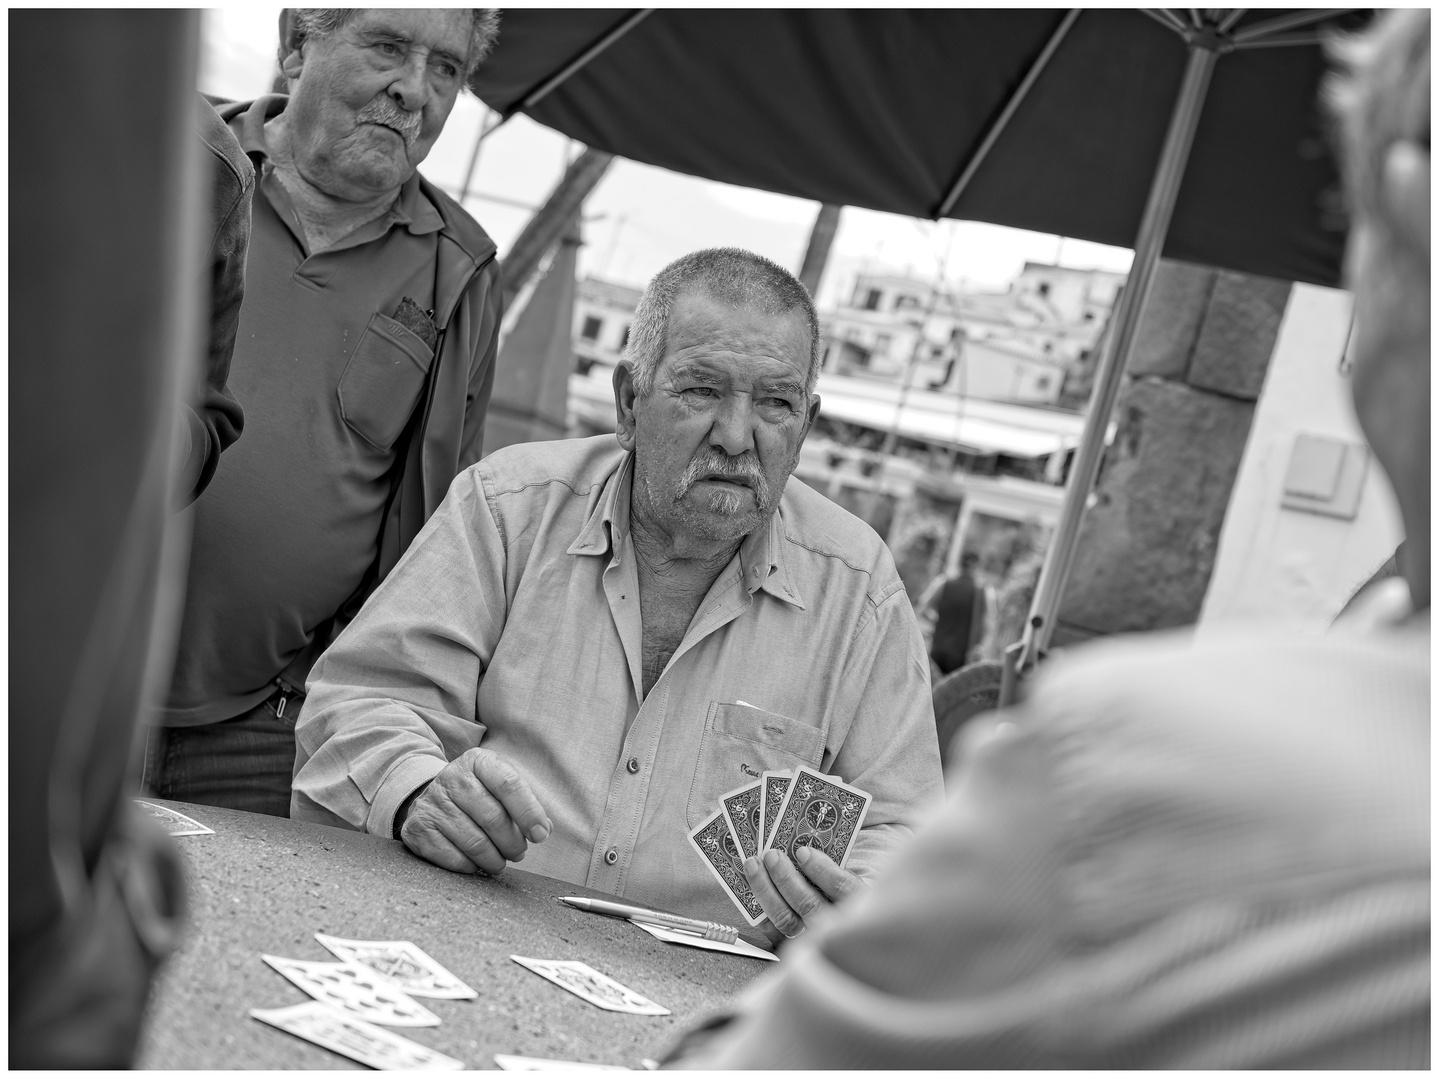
x=1153 y=226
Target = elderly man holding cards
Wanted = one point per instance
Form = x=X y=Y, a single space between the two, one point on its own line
x=590 y=644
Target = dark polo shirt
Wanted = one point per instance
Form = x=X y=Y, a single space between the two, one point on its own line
x=288 y=527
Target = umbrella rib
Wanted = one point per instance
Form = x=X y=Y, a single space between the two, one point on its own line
x=600 y=45
x=1167 y=19
x=1280 y=40
x=1228 y=22
x=1003 y=120
x=1286 y=22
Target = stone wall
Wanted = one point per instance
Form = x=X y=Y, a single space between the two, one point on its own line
x=1147 y=547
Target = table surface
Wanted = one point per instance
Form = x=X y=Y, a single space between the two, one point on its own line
x=267 y=885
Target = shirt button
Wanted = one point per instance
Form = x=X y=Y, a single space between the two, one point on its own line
x=612 y=857
x=633 y=765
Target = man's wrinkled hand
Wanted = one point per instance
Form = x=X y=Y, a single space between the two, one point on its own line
x=794 y=898
x=477 y=814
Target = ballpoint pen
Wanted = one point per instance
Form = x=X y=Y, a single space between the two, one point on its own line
x=708 y=930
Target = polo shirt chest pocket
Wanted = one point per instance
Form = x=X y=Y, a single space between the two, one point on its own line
x=382 y=381
x=739 y=743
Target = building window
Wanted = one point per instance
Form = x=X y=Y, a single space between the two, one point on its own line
x=591 y=330
x=872 y=300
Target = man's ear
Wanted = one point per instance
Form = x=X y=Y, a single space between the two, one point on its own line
x=810 y=414
x=1405 y=180
x=293 y=61
x=624 y=381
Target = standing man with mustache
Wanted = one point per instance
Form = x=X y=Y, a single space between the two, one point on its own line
x=364 y=360
x=590 y=642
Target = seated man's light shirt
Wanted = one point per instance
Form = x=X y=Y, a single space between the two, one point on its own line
x=513 y=622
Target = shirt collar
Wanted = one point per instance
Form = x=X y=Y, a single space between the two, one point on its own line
x=412 y=209
x=762 y=559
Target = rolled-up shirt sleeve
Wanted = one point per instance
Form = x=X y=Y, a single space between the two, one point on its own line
x=889 y=747
x=394 y=698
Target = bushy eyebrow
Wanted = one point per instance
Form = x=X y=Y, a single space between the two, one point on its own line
x=373 y=34
x=798 y=389
x=697 y=373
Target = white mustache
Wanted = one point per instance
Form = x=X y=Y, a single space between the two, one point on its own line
x=382 y=110
x=743 y=468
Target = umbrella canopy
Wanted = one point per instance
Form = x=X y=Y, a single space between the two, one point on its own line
x=915 y=112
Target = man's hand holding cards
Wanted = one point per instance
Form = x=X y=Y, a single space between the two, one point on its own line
x=790 y=838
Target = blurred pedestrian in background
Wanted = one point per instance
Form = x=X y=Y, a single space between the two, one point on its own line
x=1214 y=856
x=364 y=361
x=960 y=607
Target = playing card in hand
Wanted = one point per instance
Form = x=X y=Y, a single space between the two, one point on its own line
x=820 y=812
x=742 y=810
x=595 y=987
x=402 y=962
x=355 y=989
x=715 y=844
x=774 y=786
x=380 y=1049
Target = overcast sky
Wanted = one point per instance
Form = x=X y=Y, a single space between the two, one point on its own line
x=639 y=218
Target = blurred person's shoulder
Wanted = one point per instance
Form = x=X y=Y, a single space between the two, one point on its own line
x=1247 y=760
x=1254 y=688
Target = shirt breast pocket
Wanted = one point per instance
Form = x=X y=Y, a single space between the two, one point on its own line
x=741 y=742
x=381 y=382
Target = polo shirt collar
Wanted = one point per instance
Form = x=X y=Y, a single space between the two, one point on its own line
x=762 y=558
x=412 y=209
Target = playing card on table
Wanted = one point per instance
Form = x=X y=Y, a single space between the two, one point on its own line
x=742 y=809
x=595 y=987
x=370 y=1045
x=402 y=962
x=355 y=989
x=174 y=822
x=820 y=812
x=740 y=947
x=516 y=1063
x=774 y=786
x=714 y=843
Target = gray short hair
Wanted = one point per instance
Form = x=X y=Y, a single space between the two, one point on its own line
x=308 y=24
x=731 y=275
x=1380 y=96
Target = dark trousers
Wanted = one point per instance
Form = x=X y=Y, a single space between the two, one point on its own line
x=243 y=764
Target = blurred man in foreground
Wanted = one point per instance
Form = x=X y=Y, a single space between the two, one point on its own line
x=1174 y=857
x=364 y=360
x=591 y=642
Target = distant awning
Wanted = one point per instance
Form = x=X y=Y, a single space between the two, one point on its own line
x=969 y=424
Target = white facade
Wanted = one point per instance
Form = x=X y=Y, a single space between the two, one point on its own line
x=1011 y=346
x=1287 y=565
x=603 y=313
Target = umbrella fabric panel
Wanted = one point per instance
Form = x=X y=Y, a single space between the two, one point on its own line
x=1262 y=178
x=882 y=109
